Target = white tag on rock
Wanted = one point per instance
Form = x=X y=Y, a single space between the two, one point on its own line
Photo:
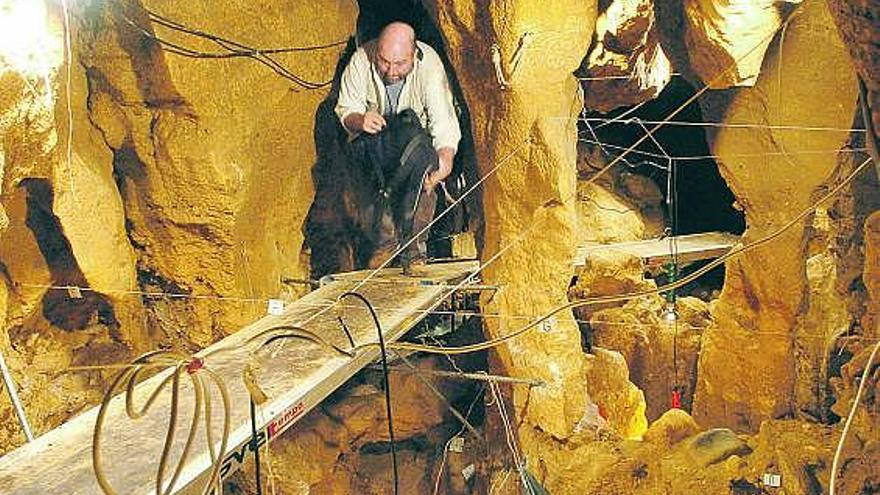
x=468 y=471
x=772 y=480
x=456 y=444
x=276 y=307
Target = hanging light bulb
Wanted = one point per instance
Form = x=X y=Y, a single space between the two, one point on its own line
x=670 y=315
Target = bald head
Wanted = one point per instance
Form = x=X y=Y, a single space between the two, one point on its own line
x=396 y=50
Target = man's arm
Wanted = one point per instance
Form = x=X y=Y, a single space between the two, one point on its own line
x=442 y=119
x=446 y=156
x=351 y=107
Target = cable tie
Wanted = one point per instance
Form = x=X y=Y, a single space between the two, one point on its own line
x=195 y=365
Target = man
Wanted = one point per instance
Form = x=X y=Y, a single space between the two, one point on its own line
x=398 y=80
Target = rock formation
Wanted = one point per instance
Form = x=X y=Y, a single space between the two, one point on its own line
x=157 y=186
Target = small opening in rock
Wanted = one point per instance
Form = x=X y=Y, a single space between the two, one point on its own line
x=336 y=238
x=696 y=198
x=59 y=307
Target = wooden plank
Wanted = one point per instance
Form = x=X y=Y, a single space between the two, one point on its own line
x=296 y=376
x=656 y=252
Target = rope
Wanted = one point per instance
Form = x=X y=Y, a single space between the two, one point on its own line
x=448 y=442
x=69 y=106
x=620 y=77
x=720 y=125
x=510 y=437
x=730 y=155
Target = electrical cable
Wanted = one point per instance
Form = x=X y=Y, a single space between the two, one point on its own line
x=233 y=49
x=255 y=447
x=731 y=254
x=384 y=356
x=849 y=419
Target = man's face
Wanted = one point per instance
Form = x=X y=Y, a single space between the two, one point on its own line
x=394 y=63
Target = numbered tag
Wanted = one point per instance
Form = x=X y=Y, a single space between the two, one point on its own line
x=74 y=293
x=772 y=480
x=468 y=471
x=276 y=307
x=457 y=444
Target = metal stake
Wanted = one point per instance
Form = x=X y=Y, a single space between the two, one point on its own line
x=13 y=395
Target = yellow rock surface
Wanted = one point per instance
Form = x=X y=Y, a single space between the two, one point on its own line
x=746 y=372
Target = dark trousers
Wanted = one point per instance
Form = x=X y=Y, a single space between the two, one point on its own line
x=402 y=207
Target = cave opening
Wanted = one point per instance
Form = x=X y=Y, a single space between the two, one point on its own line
x=336 y=238
x=65 y=309
x=696 y=198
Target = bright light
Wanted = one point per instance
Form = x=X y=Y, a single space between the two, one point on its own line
x=670 y=315
x=27 y=45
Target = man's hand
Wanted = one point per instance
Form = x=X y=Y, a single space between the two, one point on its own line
x=446 y=155
x=370 y=122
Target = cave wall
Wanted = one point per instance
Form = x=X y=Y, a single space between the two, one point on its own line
x=189 y=176
x=750 y=364
x=194 y=176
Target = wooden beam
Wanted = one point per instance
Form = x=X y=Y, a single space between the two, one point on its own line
x=656 y=252
x=297 y=377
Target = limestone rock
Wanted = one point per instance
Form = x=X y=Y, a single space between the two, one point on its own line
x=661 y=356
x=607 y=216
x=606 y=272
x=626 y=64
x=214 y=187
x=859 y=27
x=623 y=403
x=537 y=106
x=713 y=446
x=871 y=273
x=727 y=39
x=672 y=427
x=747 y=367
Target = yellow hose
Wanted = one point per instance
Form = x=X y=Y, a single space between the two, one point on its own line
x=194 y=368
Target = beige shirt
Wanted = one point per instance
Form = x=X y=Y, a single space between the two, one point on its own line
x=425 y=90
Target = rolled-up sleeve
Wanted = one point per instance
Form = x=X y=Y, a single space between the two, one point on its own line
x=442 y=119
x=353 y=88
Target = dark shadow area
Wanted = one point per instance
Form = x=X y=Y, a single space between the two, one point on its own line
x=703 y=200
x=61 y=308
x=339 y=223
x=695 y=196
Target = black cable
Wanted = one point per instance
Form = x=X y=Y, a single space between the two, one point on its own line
x=347 y=331
x=296 y=332
x=255 y=447
x=387 y=383
x=233 y=49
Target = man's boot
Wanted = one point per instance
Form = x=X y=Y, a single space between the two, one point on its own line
x=416 y=254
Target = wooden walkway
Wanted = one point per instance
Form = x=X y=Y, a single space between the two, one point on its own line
x=296 y=378
x=656 y=252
